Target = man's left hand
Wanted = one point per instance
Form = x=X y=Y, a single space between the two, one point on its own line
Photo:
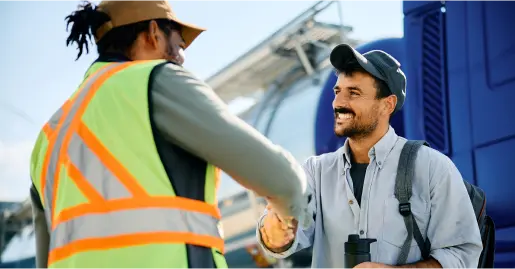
x=372 y=265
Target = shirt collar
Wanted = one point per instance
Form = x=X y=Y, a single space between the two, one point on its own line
x=107 y=58
x=112 y=57
x=378 y=153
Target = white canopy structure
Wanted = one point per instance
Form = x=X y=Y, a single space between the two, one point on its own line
x=303 y=42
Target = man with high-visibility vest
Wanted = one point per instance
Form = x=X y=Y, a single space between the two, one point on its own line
x=125 y=172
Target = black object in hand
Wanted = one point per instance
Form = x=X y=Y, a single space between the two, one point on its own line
x=357 y=250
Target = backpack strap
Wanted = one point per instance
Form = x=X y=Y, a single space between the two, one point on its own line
x=403 y=192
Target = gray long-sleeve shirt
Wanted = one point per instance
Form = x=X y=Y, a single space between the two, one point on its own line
x=188 y=113
x=192 y=116
x=440 y=204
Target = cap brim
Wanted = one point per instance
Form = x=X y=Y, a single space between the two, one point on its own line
x=189 y=32
x=341 y=55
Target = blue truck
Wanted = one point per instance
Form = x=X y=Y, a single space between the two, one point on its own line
x=459 y=59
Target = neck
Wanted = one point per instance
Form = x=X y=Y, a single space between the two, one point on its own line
x=360 y=146
x=115 y=54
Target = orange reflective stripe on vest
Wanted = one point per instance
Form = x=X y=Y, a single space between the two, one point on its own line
x=51 y=130
x=94 y=170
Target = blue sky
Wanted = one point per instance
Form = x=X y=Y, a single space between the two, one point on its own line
x=39 y=71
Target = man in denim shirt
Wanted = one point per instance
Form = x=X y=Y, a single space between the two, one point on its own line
x=353 y=188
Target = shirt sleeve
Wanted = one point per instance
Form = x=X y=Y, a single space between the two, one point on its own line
x=40 y=229
x=189 y=114
x=453 y=231
x=305 y=236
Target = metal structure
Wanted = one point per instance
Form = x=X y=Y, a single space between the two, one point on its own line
x=303 y=42
x=13 y=217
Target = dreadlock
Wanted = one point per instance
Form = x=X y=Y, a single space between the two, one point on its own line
x=87 y=19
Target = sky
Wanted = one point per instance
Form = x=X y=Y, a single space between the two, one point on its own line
x=38 y=71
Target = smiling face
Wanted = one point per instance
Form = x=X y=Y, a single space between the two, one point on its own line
x=358 y=110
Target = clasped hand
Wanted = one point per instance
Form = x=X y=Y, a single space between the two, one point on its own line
x=277 y=231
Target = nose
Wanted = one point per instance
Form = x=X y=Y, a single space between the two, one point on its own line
x=340 y=100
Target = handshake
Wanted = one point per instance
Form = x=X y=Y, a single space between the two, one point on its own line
x=278 y=228
x=277 y=232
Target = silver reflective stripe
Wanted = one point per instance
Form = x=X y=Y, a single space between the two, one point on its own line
x=52 y=123
x=133 y=221
x=54 y=120
x=101 y=178
x=54 y=157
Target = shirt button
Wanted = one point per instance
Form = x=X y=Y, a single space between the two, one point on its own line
x=351 y=202
x=361 y=232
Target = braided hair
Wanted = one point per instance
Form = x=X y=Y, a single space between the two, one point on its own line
x=85 y=21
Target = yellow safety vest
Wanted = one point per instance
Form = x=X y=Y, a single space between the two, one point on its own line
x=107 y=197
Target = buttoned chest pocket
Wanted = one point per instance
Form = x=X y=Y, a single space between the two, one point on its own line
x=394 y=228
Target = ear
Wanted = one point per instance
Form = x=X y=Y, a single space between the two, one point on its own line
x=390 y=103
x=153 y=34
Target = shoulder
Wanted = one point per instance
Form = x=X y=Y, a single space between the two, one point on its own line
x=434 y=159
x=427 y=158
x=172 y=72
x=322 y=160
x=171 y=81
x=170 y=67
x=436 y=167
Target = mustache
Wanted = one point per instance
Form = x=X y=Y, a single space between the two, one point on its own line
x=343 y=110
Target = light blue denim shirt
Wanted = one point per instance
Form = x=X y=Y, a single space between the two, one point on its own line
x=440 y=204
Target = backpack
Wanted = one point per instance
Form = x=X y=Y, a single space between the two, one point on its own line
x=403 y=193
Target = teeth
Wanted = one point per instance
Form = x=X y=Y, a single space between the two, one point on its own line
x=344 y=116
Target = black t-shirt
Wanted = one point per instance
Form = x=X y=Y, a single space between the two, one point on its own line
x=357 y=173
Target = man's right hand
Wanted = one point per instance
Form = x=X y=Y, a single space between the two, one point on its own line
x=277 y=232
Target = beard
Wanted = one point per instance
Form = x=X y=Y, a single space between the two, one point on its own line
x=175 y=54
x=357 y=127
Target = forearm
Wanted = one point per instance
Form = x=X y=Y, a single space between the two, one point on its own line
x=429 y=263
x=228 y=143
x=189 y=114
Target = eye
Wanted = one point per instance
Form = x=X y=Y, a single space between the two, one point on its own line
x=354 y=93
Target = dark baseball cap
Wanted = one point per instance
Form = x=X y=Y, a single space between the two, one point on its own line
x=376 y=62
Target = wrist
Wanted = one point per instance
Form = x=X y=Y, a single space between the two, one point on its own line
x=280 y=249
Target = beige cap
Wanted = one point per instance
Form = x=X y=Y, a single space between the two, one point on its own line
x=128 y=12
